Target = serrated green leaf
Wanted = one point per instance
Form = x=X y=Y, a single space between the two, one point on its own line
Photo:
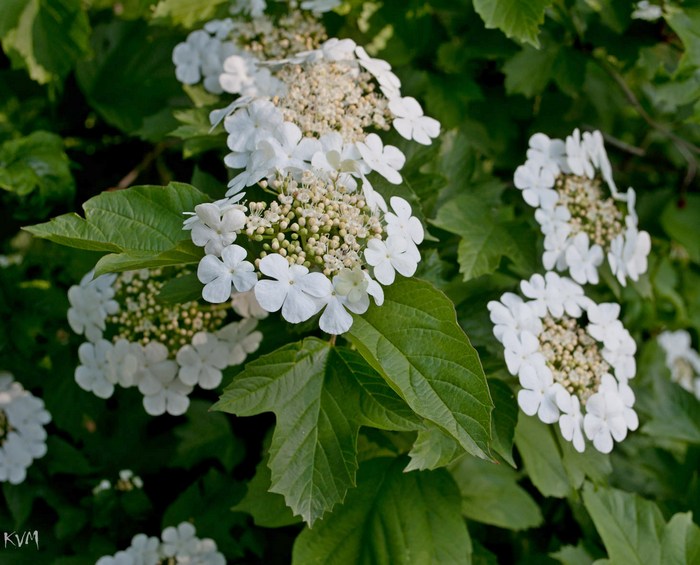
x=414 y=342
x=505 y=418
x=590 y=464
x=572 y=555
x=685 y=22
x=491 y=495
x=515 y=18
x=676 y=413
x=630 y=526
x=141 y=225
x=432 y=449
x=316 y=393
x=681 y=541
x=391 y=518
x=541 y=456
x=50 y=35
x=185 y=13
x=529 y=71
x=485 y=240
x=36 y=162
x=681 y=223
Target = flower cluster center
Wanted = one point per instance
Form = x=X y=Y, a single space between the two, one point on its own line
x=291 y=34
x=591 y=213
x=143 y=319
x=573 y=356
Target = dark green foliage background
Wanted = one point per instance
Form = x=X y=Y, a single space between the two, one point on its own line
x=89 y=102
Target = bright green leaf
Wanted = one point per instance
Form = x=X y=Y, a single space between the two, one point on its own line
x=681 y=541
x=681 y=223
x=675 y=414
x=630 y=526
x=529 y=71
x=391 y=518
x=505 y=418
x=433 y=448
x=491 y=495
x=572 y=555
x=316 y=393
x=413 y=340
x=515 y=18
x=186 y=13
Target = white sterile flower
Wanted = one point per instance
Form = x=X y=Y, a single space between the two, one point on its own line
x=238 y=76
x=410 y=122
x=521 y=352
x=342 y=159
x=95 y=374
x=554 y=219
x=682 y=360
x=145 y=550
x=217 y=226
x=179 y=542
x=628 y=254
x=125 y=360
x=218 y=115
x=595 y=147
x=374 y=200
x=163 y=391
x=621 y=355
x=288 y=150
x=536 y=184
x=547 y=293
x=555 y=244
x=609 y=414
x=91 y=303
x=296 y=291
x=538 y=394
x=386 y=160
x=577 y=156
x=604 y=324
x=381 y=70
x=389 y=256
x=571 y=419
x=119 y=558
x=583 y=261
x=644 y=10
x=22 y=435
x=250 y=125
x=402 y=223
x=187 y=57
x=202 y=361
x=246 y=305
x=252 y=8
x=511 y=313
x=219 y=275
x=549 y=154
x=220 y=28
x=241 y=340
x=320 y=6
x=349 y=290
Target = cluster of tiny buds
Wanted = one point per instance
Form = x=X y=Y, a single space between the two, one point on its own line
x=573 y=356
x=291 y=33
x=127 y=482
x=598 y=217
x=314 y=222
x=142 y=318
x=327 y=97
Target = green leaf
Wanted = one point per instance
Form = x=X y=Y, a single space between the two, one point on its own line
x=505 y=418
x=414 y=342
x=131 y=76
x=267 y=508
x=391 y=518
x=515 y=18
x=433 y=448
x=681 y=541
x=206 y=435
x=316 y=391
x=572 y=555
x=686 y=23
x=185 y=13
x=491 y=495
x=36 y=162
x=184 y=288
x=529 y=71
x=681 y=223
x=541 y=457
x=141 y=226
x=591 y=463
x=485 y=239
x=630 y=526
x=675 y=414
x=49 y=37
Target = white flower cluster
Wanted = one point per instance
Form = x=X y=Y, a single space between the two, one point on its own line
x=127 y=481
x=682 y=360
x=163 y=350
x=563 y=180
x=176 y=545
x=324 y=239
x=573 y=359
x=22 y=434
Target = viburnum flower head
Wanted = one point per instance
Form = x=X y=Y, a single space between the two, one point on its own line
x=582 y=225
x=216 y=226
x=410 y=122
x=22 y=434
x=681 y=359
x=221 y=275
x=573 y=359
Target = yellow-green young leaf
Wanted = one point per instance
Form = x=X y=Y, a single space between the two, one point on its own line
x=391 y=518
x=630 y=526
x=185 y=13
x=140 y=226
x=491 y=494
x=516 y=18
x=415 y=343
x=321 y=396
x=543 y=462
